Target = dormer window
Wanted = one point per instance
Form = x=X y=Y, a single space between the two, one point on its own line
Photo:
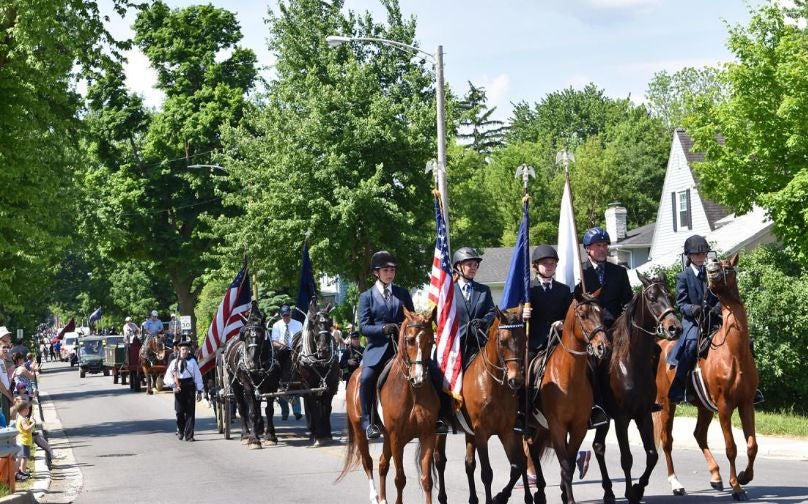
x=682 y=214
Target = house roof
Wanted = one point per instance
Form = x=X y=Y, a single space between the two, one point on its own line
x=638 y=237
x=714 y=211
x=495 y=264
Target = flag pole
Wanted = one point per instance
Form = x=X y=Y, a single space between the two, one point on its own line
x=526 y=172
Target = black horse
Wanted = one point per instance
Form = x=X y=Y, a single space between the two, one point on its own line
x=251 y=369
x=316 y=368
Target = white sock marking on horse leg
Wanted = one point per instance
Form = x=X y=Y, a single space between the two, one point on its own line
x=674 y=481
x=374 y=497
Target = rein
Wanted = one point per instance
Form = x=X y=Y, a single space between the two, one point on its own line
x=405 y=357
x=660 y=331
x=502 y=362
x=590 y=350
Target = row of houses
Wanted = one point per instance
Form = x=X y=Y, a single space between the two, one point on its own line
x=682 y=212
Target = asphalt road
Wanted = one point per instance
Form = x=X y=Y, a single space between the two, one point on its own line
x=124 y=447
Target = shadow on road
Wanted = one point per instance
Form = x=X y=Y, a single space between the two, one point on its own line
x=126 y=427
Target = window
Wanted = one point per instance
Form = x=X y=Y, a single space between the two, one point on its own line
x=682 y=215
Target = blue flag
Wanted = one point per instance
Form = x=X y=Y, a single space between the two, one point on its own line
x=94 y=316
x=305 y=291
x=517 y=284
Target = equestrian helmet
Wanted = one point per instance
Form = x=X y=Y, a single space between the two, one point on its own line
x=596 y=235
x=544 y=252
x=383 y=259
x=465 y=254
x=696 y=244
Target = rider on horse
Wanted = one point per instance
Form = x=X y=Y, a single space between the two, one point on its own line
x=381 y=311
x=474 y=304
x=701 y=315
x=615 y=293
x=551 y=299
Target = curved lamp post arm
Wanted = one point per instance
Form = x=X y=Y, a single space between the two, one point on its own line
x=335 y=40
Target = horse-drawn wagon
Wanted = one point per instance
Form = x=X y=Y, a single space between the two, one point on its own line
x=123 y=363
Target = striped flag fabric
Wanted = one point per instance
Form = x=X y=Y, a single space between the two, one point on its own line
x=441 y=294
x=229 y=319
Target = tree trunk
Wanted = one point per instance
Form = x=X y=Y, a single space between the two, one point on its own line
x=186 y=298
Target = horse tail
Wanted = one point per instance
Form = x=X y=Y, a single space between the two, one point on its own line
x=433 y=469
x=351 y=453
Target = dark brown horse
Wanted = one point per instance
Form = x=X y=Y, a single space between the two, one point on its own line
x=565 y=394
x=152 y=357
x=730 y=378
x=489 y=407
x=410 y=410
x=630 y=373
x=316 y=367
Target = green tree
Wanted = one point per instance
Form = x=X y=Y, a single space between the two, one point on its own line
x=674 y=97
x=479 y=130
x=756 y=140
x=153 y=207
x=337 y=146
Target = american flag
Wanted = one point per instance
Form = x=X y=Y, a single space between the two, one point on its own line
x=441 y=294
x=228 y=319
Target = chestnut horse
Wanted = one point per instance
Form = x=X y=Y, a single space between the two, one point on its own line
x=410 y=410
x=630 y=374
x=730 y=377
x=489 y=407
x=565 y=393
x=152 y=354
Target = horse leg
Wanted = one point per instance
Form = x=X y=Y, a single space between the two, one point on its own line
x=271 y=438
x=256 y=423
x=747 y=414
x=646 y=428
x=725 y=419
x=599 y=447
x=664 y=424
x=427 y=454
x=148 y=380
x=705 y=416
x=440 y=465
x=516 y=456
x=626 y=459
x=535 y=450
x=558 y=439
x=486 y=473
x=471 y=465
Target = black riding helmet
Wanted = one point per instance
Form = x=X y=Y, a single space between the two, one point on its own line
x=465 y=254
x=383 y=259
x=696 y=244
x=544 y=252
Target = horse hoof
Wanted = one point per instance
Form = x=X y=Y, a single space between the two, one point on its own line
x=539 y=498
x=717 y=485
x=740 y=496
x=743 y=479
x=609 y=499
x=637 y=492
x=244 y=441
x=254 y=446
x=499 y=499
x=679 y=492
x=271 y=442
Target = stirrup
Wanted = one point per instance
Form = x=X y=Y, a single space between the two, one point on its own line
x=758 y=397
x=598 y=417
x=373 y=432
x=441 y=427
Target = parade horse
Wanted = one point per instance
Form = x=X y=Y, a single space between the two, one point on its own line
x=251 y=370
x=490 y=402
x=565 y=393
x=730 y=379
x=152 y=354
x=315 y=365
x=628 y=380
x=410 y=407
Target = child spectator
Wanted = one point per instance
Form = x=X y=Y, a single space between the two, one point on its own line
x=23 y=376
x=25 y=437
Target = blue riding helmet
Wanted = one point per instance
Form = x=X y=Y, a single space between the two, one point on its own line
x=595 y=235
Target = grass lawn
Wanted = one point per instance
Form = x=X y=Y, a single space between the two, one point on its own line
x=779 y=423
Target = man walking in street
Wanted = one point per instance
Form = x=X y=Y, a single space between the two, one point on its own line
x=183 y=374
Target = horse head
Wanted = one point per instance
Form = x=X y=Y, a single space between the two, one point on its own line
x=159 y=346
x=722 y=277
x=319 y=326
x=508 y=334
x=257 y=349
x=415 y=341
x=585 y=322
x=656 y=300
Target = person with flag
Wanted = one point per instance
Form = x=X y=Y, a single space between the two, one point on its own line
x=550 y=298
x=381 y=311
x=474 y=305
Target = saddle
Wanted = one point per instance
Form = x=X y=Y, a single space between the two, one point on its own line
x=377 y=405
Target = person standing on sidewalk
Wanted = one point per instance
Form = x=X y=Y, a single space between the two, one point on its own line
x=6 y=398
x=183 y=374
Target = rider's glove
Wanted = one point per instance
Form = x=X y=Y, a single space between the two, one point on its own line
x=476 y=326
x=390 y=329
x=696 y=311
x=716 y=311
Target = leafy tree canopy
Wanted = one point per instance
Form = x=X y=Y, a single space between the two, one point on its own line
x=674 y=97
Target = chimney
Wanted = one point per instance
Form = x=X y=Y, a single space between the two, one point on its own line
x=616 y=221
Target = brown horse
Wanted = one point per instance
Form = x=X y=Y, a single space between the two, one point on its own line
x=152 y=354
x=730 y=377
x=565 y=394
x=489 y=408
x=410 y=410
x=630 y=374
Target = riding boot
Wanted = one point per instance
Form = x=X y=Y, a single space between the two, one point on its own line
x=522 y=424
x=678 y=390
x=598 y=415
x=446 y=402
x=367 y=385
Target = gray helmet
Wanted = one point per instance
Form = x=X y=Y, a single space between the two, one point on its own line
x=543 y=252
x=465 y=254
x=696 y=244
x=383 y=259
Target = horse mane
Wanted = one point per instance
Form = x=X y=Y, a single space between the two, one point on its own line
x=621 y=334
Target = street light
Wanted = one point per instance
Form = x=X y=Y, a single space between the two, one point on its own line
x=437 y=58
x=212 y=167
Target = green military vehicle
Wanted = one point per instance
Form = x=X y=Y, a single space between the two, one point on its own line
x=90 y=351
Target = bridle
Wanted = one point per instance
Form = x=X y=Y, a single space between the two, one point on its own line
x=405 y=357
x=667 y=312
x=311 y=358
x=588 y=335
x=501 y=367
x=261 y=372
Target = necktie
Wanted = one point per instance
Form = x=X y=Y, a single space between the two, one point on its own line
x=467 y=291
x=546 y=287
x=286 y=335
x=601 y=271
x=387 y=296
x=702 y=274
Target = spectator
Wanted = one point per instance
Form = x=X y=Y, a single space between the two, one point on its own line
x=352 y=357
x=5 y=384
x=25 y=438
x=130 y=330
x=22 y=376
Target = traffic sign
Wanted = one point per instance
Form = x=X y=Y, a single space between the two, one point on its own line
x=185 y=322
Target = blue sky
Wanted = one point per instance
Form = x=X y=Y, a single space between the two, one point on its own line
x=520 y=50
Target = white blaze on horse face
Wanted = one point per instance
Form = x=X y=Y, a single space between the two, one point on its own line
x=419 y=367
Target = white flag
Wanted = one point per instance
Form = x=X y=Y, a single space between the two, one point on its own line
x=569 y=269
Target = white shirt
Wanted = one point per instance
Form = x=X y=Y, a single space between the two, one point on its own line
x=380 y=285
x=130 y=330
x=191 y=371
x=4 y=375
x=279 y=329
